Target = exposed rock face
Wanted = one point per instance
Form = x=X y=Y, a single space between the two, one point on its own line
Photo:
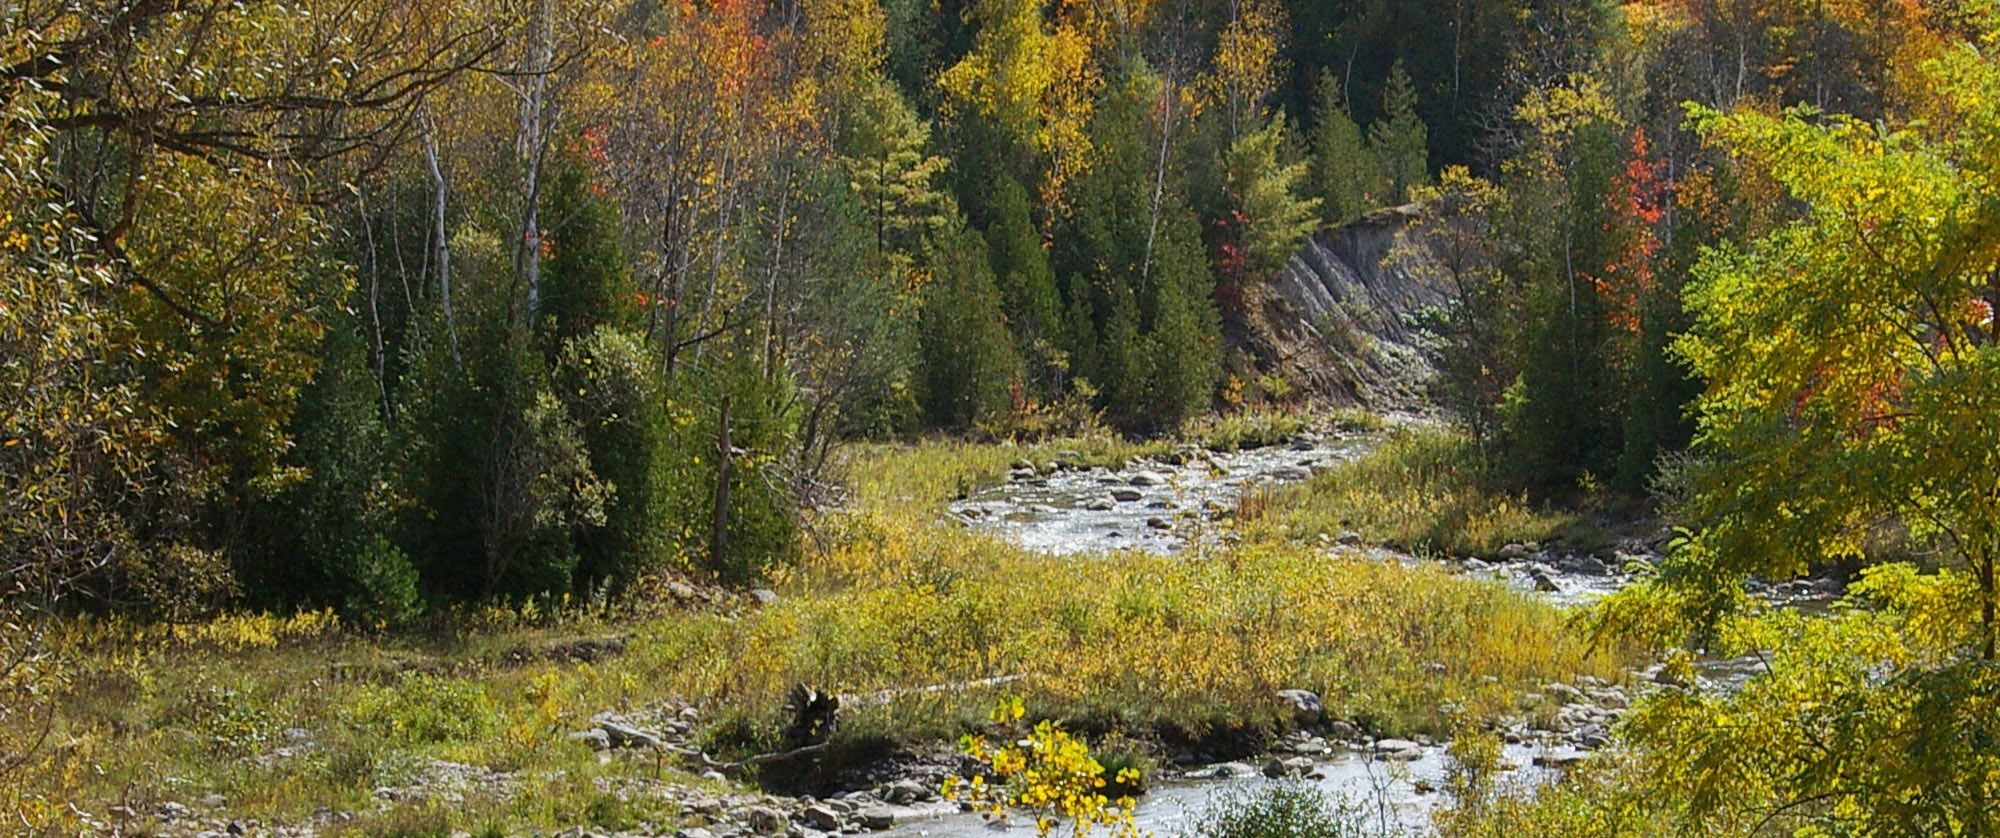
x=1341 y=317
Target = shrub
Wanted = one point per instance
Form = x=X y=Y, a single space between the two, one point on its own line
x=424 y=709
x=1279 y=810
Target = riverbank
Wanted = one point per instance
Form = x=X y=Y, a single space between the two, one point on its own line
x=482 y=724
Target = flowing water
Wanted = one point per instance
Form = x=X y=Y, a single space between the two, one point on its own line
x=1157 y=507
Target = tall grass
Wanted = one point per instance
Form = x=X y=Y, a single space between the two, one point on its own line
x=895 y=603
x=1424 y=490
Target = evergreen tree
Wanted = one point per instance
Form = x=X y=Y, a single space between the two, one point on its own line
x=586 y=281
x=967 y=356
x=1399 y=140
x=609 y=384
x=1274 y=217
x=1021 y=265
x=318 y=542
x=1345 y=177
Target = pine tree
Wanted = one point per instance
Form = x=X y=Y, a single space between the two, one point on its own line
x=1399 y=140
x=1021 y=266
x=968 y=359
x=1345 y=177
x=1275 y=217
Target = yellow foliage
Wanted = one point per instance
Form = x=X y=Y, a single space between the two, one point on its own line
x=1046 y=771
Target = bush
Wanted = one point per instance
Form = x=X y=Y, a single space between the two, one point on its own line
x=424 y=709
x=1279 y=810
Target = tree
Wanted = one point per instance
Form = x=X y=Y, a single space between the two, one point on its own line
x=968 y=357
x=1344 y=176
x=1034 y=77
x=1274 y=218
x=1852 y=358
x=1399 y=140
x=1453 y=245
x=1027 y=285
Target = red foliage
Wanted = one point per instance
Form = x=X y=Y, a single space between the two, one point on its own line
x=1232 y=261
x=1638 y=205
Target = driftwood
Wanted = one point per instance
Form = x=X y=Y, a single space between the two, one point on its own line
x=815 y=716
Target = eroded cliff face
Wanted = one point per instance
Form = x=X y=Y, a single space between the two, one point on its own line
x=1342 y=317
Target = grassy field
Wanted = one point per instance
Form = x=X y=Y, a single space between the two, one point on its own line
x=1422 y=490
x=1159 y=649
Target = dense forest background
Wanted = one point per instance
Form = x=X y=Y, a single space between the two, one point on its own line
x=387 y=305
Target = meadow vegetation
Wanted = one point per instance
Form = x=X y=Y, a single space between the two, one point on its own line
x=1424 y=489
x=895 y=600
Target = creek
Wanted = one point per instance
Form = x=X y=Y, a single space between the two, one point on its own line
x=1160 y=506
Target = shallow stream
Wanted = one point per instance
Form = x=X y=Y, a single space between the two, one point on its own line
x=1157 y=507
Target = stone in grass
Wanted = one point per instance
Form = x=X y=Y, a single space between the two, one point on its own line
x=765 y=820
x=626 y=736
x=596 y=738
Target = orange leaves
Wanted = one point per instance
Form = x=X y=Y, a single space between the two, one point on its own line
x=1638 y=204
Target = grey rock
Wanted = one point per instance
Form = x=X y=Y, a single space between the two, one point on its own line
x=626 y=736
x=1281 y=767
x=1304 y=705
x=694 y=832
x=765 y=820
x=1348 y=538
x=1545 y=582
x=875 y=817
x=1147 y=478
x=1159 y=523
x=907 y=791
x=821 y=817
x=706 y=806
x=214 y=801
x=1398 y=749
x=1223 y=771
x=1101 y=505
x=1585 y=565
x=764 y=596
x=1515 y=551
x=1291 y=473
x=596 y=738
x=1125 y=495
x=1477 y=566
x=1342 y=730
